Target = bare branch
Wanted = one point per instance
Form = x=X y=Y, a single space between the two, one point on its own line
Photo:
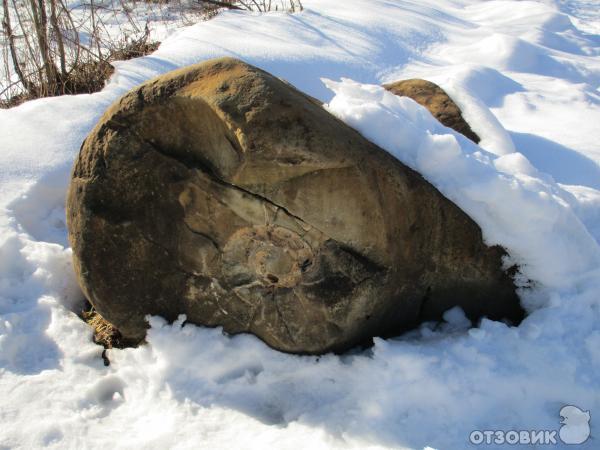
x=221 y=4
x=6 y=26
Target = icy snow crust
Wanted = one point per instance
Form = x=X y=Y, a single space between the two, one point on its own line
x=526 y=75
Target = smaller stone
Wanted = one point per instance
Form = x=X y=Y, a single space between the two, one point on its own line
x=435 y=99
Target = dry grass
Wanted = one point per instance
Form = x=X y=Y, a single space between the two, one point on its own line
x=105 y=333
x=88 y=77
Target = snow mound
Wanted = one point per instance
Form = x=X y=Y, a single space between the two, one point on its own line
x=516 y=206
x=526 y=75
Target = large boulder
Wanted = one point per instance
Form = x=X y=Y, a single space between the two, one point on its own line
x=437 y=101
x=221 y=192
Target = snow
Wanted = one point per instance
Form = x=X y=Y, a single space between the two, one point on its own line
x=527 y=76
x=489 y=188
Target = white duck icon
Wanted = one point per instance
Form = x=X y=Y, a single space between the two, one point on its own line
x=576 y=428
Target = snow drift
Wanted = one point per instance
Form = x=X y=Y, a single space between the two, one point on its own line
x=532 y=185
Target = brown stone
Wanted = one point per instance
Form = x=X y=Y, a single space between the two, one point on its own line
x=435 y=99
x=221 y=192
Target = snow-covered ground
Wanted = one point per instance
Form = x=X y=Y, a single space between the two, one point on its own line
x=527 y=75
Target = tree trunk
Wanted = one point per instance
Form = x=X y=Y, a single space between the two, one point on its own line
x=6 y=25
x=59 y=40
x=41 y=30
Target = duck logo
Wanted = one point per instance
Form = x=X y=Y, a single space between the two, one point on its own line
x=575 y=425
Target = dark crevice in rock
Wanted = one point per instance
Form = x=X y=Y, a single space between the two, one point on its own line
x=234 y=144
x=177 y=266
x=199 y=164
x=201 y=234
x=208 y=170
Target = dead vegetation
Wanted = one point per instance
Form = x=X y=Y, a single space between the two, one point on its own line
x=55 y=47
x=105 y=334
x=85 y=78
x=257 y=5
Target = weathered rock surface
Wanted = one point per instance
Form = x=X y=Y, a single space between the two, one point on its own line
x=223 y=193
x=435 y=99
